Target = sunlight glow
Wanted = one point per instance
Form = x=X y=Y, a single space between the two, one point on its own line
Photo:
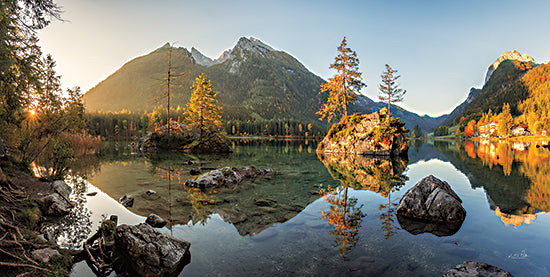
x=32 y=112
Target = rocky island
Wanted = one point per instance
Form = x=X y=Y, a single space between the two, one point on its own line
x=377 y=134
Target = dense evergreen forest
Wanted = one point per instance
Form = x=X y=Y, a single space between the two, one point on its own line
x=128 y=125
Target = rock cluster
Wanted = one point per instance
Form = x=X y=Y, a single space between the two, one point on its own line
x=468 y=268
x=56 y=203
x=144 y=251
x=225 y=176
x=432 y=200
x=357 y=134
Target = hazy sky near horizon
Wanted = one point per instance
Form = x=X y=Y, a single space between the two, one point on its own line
x=441 y=48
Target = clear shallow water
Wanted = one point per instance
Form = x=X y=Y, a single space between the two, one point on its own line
x=350 y=231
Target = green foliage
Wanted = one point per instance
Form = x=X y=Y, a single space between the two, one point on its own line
x=31 y=216
x=416 y=132
x=387 y=128
x=441 y=131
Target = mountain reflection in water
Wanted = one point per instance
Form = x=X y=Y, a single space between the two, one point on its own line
x=516 y=176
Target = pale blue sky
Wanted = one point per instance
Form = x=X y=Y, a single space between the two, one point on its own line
x=441 y=48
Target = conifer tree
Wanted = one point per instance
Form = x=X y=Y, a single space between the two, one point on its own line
x=345 y=84
x=389 y=88
x=203 y=112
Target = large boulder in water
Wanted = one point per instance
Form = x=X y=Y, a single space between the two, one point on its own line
x=468 y=269
x=143 y=251
x=367 y=134
x=225 y=177
x=432 y=200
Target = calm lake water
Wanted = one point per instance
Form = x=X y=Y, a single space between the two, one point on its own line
x=330 y=215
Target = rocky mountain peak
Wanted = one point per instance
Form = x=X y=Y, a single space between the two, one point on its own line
x=200 y=58
x=253 y=45
x=512 y=55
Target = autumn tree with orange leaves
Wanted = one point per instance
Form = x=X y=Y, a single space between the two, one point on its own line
x=343 y=87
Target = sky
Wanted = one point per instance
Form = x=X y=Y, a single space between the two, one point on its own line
x=441 y=49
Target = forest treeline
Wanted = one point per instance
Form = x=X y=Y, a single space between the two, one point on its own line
x=127 y=125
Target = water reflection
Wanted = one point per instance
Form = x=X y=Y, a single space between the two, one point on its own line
x=251 y=207
x=382 y=175
x=344 y=215
x=515 y=176
x=71 y=230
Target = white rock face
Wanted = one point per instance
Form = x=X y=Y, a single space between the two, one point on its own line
x=243 y=46
x=513 y=55
x=200 y=58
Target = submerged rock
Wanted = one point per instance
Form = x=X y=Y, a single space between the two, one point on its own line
x=127 y=201
x=469 y=268
x=372 y=134
x=226 y=176
x=143 y=251
x=432 y=200
x=156 y=221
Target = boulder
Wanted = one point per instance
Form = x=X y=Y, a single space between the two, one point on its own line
x=44 y=255
x=143 y=251
x=54 y=205
x=62 y=188
x=432 y=200
x=127 y=201
x=225 y=177
x=376 y=134
x=195 y=171
x=468 y=269
x=156 y=221
x=150 y=192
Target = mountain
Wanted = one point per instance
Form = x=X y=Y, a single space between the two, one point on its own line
x=427 y=123
x=503 y=84
x=253 y=81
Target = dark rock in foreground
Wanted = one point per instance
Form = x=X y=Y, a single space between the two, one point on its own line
x=225 y=177
x=143 y=251
x=155 y=221
x=127 y=201
x=469 y=269
x=373 y=134
x=432 y=200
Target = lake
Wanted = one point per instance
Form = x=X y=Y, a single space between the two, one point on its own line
x=323 y=215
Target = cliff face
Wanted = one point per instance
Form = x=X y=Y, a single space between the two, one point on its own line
x=373 y=134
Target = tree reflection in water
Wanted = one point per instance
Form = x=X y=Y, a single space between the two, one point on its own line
x=72 y=230
x=382 y=175
x=344 y=215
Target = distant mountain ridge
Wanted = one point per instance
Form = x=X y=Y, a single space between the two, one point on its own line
x=253 y=81
x=502 y=85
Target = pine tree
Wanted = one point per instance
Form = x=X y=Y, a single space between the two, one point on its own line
x=203 y=112
x=389 y=88
x=345 y=84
